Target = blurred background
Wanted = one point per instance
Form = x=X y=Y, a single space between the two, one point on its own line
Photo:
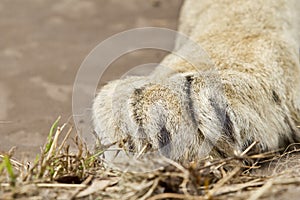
x=42 y=44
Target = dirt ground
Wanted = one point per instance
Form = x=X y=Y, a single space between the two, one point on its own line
x=41 y=48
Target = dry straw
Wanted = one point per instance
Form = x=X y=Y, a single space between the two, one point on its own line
x=59 y=173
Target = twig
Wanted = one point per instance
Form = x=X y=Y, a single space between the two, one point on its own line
x=286 y=181
x=150 y=191
x=248 y=148
x=237 y=187
x=222 y=181
x=258 y=193
x=142 y=151
x=54 y=143
x=184 y=171
x=226 y=160
x=174 y=196
x=60 y=185
x=65 y=139
x=85 y=183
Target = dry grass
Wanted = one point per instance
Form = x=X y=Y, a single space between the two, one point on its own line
x=58 y=173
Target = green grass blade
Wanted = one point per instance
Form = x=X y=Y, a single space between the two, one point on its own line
x=50 y=135
x=2 y=166
x=10 y=170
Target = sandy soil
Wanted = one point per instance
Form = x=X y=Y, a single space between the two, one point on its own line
x=41 y=48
